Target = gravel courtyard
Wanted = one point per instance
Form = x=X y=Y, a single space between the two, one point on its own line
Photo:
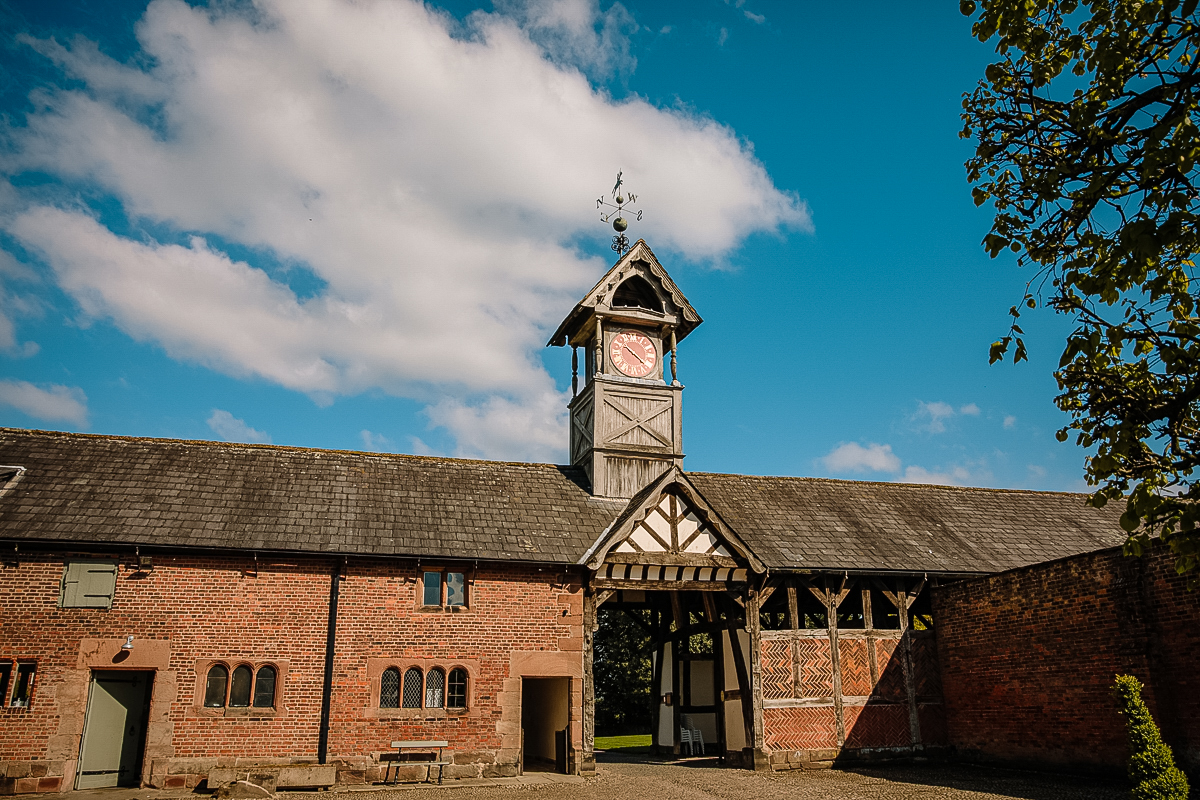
x=630 y=780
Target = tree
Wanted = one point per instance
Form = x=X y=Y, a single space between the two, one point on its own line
x=1152 y=767
x=622 y=672
x=1088 y=146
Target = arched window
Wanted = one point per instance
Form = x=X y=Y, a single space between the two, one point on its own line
x=435 y=689
x=413 y=680
x=389 y=688
x=456 y=690
x=264 y=688
x=214 y=687
x=239 y=687
x=637 y=293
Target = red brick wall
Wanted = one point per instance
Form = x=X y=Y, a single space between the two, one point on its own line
x=193 y=609
x=1028 y=658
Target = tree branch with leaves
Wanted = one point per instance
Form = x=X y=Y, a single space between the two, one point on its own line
x=1087 y=146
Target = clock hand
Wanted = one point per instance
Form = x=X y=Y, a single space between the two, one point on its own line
x=635 y=355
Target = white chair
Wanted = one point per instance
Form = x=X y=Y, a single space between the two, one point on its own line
x=690 y=735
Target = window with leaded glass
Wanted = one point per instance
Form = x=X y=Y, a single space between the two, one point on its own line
x=214 y=687
x=456 y=689
x=239 y=687
x=264 y=688
x=413 y=683
x=389 y=688
x=435 y=686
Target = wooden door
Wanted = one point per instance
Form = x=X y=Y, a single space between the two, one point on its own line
x=114 y=731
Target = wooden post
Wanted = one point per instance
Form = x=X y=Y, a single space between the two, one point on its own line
x=910 y=684
x=754 y=627
x=831 y=611
x=659 y=655
x=574 y=370
x=744 y=691
x=869 y=625
x=674 y=378
x=599 y=347
x=588 y=762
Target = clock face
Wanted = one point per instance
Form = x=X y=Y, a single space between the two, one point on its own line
x=633 y=354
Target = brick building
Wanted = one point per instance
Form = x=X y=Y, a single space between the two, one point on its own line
x=176 y=612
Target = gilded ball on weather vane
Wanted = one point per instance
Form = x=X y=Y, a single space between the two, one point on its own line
x=620 y=225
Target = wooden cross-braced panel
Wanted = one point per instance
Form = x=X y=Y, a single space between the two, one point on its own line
x=777 y=669
x=884 y=725
x=629 y=419
x=855 y=663
x=816 y=668
x=800 y=728
x=581 y=429
x=890 y=687
x=673 y=527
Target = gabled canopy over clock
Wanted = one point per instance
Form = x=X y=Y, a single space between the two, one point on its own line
x=625 y=423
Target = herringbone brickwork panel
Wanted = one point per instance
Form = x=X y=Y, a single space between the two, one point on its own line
x=877 y=726
x=816 y=668
x=799 y=728
x=854 y=660
x=891 y=672
x=932 y=717
x=927 y=676
x=777 y=669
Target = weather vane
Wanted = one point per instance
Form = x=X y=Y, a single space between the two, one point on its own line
x=620 y=242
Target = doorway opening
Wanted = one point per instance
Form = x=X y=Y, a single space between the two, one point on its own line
x=114 y=730
x=667 y=678
x=545 y=724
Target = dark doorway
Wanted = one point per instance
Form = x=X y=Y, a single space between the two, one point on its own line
x=545 y=722
x=114 y=730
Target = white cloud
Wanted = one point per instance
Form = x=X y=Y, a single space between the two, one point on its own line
x=956 y=476
x=52 y=403
x=853 y=457
x=936 y=412
x=501 y=428
x=1010 y=421
x=375 y=442
x=969 y=410
x=429 y=177
x=231 y=429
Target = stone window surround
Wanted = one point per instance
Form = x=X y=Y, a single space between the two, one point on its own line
x=203 y=665
x=419 y=594
x=377 y=666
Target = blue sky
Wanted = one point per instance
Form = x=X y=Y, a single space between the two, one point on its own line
x=353 y=226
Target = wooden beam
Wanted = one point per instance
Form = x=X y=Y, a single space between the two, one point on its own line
x=603 y=595
x=910 y=684
x=682 y=623
x=768 y=589
x=710 y=607
x=588 y=762
x=793 y=608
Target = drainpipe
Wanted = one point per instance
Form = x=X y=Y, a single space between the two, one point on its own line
x=327 y=687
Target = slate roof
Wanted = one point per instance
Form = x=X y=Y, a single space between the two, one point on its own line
x=820 y=523
x=119 y=490
x=109 y=489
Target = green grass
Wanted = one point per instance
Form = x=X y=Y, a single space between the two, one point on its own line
x=625 y=744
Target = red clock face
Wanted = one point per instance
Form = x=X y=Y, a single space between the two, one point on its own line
x=633 y=354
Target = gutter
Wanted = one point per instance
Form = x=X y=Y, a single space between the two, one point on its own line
x=327 y=685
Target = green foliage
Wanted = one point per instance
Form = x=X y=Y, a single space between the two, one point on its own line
x=1088 y=146
x=623 y=673
x=1151 y=767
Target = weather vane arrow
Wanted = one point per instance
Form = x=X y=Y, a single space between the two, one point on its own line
x=614 y=212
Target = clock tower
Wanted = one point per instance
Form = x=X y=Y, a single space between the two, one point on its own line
x=626 y=426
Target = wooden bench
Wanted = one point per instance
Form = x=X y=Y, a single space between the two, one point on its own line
x=419 y=755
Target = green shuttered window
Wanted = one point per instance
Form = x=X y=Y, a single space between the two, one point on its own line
x=88 y=584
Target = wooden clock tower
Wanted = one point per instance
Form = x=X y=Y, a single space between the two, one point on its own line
x=626 y=425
